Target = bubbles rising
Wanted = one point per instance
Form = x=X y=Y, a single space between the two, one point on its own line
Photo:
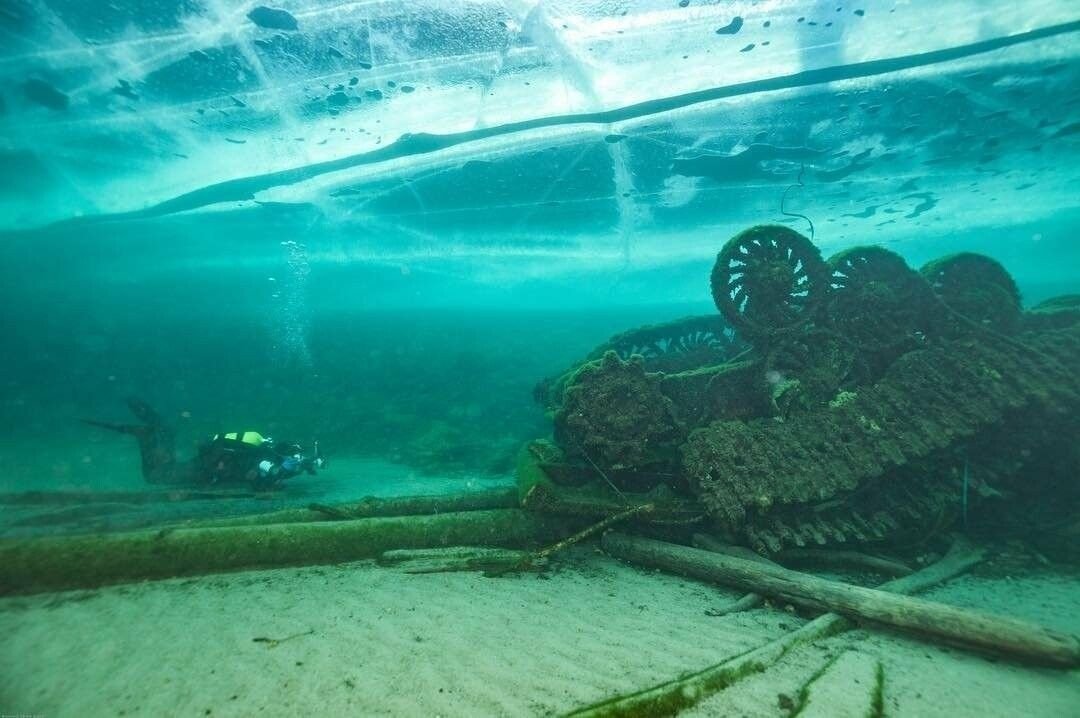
x=291 y=317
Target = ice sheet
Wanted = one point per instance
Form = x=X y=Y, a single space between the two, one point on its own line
x=573 y=117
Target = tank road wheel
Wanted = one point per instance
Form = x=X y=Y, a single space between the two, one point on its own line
x=976 y=287
x=768 y=280
x=877 y=302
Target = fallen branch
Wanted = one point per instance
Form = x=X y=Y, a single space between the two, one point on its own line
x=708 y=543
x=42 y=564
x=1019 y=639
x=842 y=560
x=533 y=560
x=851 y=684
x=492 y=561
x=670 y=697
x=592 y=530
x=546 y=498
x=810 y=557
x=275 y=642
x=749 y=601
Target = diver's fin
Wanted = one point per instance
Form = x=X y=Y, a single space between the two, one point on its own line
x=134 y=429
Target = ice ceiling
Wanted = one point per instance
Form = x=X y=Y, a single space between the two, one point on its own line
x=520 y=118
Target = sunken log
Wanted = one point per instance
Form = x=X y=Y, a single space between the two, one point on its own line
x=57 y=563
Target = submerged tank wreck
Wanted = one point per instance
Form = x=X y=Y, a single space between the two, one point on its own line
x=850 y=400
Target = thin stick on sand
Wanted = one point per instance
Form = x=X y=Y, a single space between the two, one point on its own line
x=495 y=562
x=675 y=695
x=540 y=557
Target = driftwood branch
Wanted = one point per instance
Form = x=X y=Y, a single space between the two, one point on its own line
x=42 y=564
x=670 y=697
x=842 y=560
x=593 y=530
x=539 y=558
x=750 y=600
x=746 y=602
x=546 y=498
x=492 y=561
x=808 y=557
x=1018 y=639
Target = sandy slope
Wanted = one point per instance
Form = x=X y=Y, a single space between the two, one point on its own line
x=384 y=643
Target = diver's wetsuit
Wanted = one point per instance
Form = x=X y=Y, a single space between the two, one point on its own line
x=223 y=461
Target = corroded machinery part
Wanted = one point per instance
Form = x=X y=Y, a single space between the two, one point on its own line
x=877 y=302
x=675 y=346
x=976 y=287
x=807 y=369
x=736 y=390
x=769 y=280
x=927 y=400
x=616 y=418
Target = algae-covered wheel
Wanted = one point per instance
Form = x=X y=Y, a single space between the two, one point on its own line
x=976 y=287
x=769 y=280
x=876 y=301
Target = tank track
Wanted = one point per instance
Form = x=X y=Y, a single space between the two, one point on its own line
x=888 y=511
x=928 y=400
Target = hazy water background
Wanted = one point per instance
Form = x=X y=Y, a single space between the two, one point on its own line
x=403 y=310
x=400 y=363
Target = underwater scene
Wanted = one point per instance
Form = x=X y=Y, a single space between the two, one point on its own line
x=540 y=358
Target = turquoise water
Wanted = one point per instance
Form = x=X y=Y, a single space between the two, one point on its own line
x=380 y=225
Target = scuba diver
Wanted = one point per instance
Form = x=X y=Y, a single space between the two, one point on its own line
x=241 y=457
